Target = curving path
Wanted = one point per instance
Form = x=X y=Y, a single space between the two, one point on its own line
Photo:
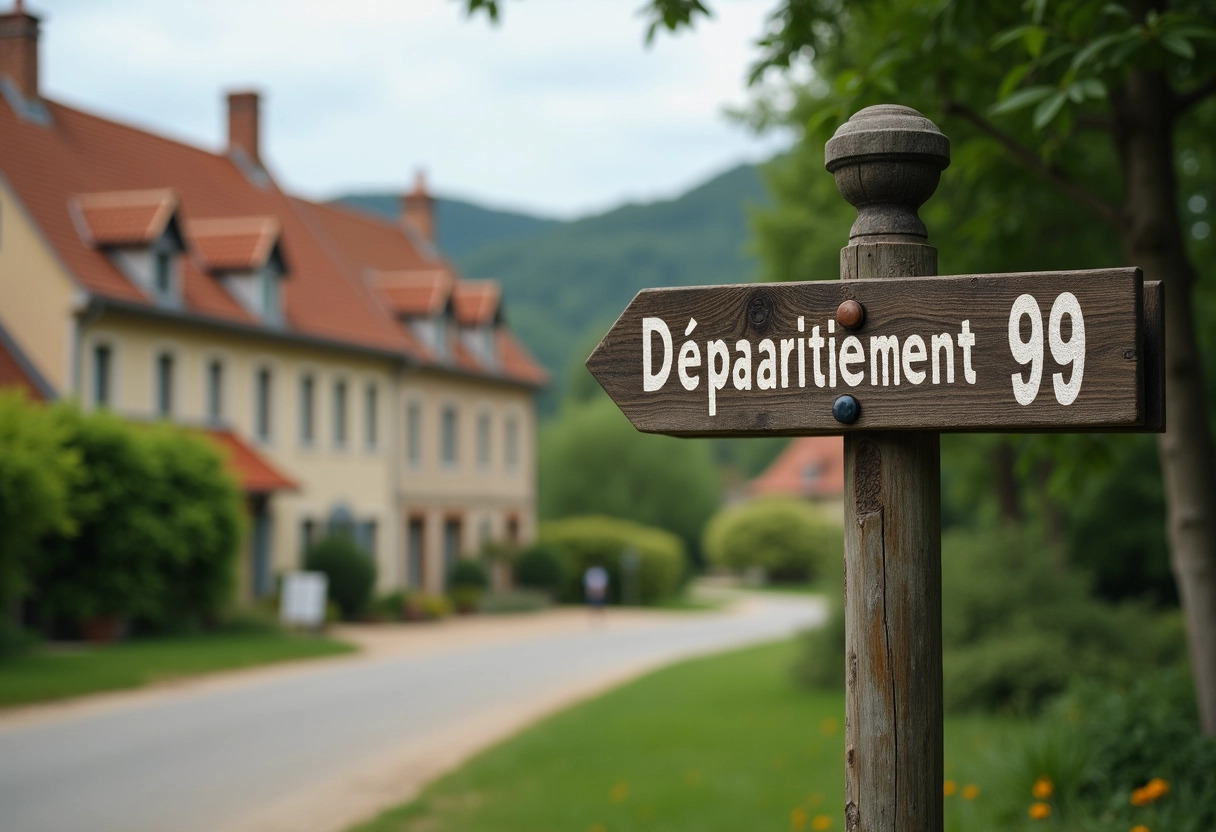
x=320 y=745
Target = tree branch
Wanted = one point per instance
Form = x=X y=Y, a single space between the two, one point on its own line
x=1187 y=100
x=1052 y=174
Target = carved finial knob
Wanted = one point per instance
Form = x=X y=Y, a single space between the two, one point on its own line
x=887 y=161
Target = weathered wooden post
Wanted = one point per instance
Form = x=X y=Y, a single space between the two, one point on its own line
x=887 y=161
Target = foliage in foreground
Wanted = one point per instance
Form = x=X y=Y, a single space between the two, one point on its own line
x=1018 y=627
x=583 y=542
x=790 y=539
x=1107 y=759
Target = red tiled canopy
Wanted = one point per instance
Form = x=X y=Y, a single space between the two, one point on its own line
x=254 y=473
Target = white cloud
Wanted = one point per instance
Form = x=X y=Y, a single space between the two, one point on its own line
x=559 y=109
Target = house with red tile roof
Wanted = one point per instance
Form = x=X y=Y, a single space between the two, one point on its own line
x=354 y=380
x=810 y=468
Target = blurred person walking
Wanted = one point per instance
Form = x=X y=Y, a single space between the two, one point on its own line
x=595 y=589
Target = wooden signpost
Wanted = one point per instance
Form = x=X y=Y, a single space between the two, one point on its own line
x=891 y=356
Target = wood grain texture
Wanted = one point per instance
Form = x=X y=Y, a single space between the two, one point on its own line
x=1111 y=394
x=893 y=645
x=893 y=705
x=1154 y=357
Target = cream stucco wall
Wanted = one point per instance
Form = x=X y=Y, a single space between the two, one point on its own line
x=37 y=296
x=355 y=475
x=486 y=498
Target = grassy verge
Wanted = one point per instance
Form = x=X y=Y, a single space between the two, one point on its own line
x=58 y=672
x=721 y=743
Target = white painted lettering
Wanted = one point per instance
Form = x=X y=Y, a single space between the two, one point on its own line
x=743 y=365
x=851 y=352
x=766 y=370
x=886 y=346
x=943 y=344
x=652 y=381
x=690 y=359
x=717 y=374
x=914 y=352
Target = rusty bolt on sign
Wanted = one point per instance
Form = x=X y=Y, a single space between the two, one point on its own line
x=850 y=314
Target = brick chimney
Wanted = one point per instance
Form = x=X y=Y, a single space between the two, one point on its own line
x=19 y=50
x=243 y=127
x=418 y=209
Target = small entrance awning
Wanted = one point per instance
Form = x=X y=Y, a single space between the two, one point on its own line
x=254 y=473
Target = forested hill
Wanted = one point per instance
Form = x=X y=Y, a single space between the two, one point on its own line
x=462 y=226
x=565 y=283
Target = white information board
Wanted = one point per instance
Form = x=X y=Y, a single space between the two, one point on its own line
x=303 y=599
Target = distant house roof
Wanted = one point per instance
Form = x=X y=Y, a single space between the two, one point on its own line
x=810 y=466
x=91 y=184
x=17 y=371
x=254 y=473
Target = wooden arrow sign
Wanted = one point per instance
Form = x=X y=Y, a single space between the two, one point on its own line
x=1038 y=351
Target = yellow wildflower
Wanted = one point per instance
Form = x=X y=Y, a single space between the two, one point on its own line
x=971 y=792
x=619 y=792
x=798 y=817
x=1157 y=788
x=598 y=827
x=1140 y=827
x=821 y=823
x=1042 y=788
x=949 y=788
x=1039 y=811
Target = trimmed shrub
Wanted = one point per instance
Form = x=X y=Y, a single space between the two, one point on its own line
x=350 y=570
x=468 y=574
x=791 y=540
x=539 y=567
x=423 y=606
x=820 y=665
x=37 y=474
x=1018 y=626
x=390 y=607
x=516 y=601
x=582 y=542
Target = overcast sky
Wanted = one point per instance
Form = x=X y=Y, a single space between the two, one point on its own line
x=560 y=109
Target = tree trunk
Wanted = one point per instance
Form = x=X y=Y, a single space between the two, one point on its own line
x=1153 y=239
x=1005 y=483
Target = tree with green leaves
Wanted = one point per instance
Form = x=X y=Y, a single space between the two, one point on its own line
x=1103 y=105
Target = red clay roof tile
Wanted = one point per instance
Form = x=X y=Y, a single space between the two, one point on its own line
x=254 y=473
x=225 y=244
x=810 y=466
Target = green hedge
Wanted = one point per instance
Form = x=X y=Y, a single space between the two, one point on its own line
x=157 y=525
x=791 y=540
x=350 y=570
x=582 y=542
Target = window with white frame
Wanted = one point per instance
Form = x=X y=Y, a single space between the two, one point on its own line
x=340 y=413
x=262 y=404
x=215 y=391
x=483 y=439
x=103 y=375
x=413 y=434
x=449 y=426
x=164 y=384
x=512 y=442
x=371 y=406
x=308 y=394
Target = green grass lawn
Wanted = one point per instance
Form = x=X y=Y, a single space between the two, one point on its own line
x=56 y=672
x=721 y=743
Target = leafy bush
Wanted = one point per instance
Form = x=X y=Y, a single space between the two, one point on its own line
x=1017 y=625
x=790 y=539
x=37 y=474
x=200 y=505
x=468 y=574
x=519 y=600
x=593 y=460
x=582 y=542
x=1099 y=745
x=1018 y=628
x=390 y=607
x=350 y=570
x=424 y=606
x=539 y=567
x=820 y=665
x=110 y=567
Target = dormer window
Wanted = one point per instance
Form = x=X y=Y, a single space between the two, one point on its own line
x=139 y=232
x=422 y=300
x=245 y=255
x=478 y=310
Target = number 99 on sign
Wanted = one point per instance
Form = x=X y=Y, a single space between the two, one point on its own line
x=1063 y=351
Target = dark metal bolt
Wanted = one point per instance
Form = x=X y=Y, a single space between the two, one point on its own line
x=846 y=409
x=850 y=314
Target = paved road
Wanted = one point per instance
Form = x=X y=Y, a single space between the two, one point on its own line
x=211 y=759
